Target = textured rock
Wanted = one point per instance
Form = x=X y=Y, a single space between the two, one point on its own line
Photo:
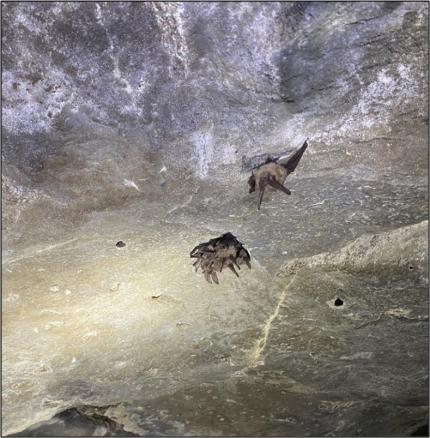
x=405 y=249
x=205 y=87
x=140 y=122
x=312 y=368
x=83 y=420
x=222 y=78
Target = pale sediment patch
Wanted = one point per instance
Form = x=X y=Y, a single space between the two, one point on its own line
x=260 y=344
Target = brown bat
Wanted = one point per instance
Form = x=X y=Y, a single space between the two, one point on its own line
x=272 y=174
x=224 y=251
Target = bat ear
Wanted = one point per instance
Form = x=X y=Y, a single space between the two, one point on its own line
x=207 y=277
x=260 y=196
x=236 y=263
x=196 y=264
x=214 y=277
x=234 y=270
x=293 y=161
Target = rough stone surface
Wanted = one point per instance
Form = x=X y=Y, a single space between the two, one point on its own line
x=88 y=87
x=403 y=249
x=139 y=122
x=305 y=367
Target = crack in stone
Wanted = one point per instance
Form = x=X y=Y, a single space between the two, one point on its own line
x=260 y=344
x=34 y=253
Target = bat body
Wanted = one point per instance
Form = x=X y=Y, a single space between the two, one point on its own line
x=271 y=175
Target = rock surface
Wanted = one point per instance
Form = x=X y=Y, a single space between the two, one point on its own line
x=403 y=249
x=88 y=88
x=300 y=366
x=139 y=122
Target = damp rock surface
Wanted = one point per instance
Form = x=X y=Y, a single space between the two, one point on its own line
x=296 y=367
x=139 y=123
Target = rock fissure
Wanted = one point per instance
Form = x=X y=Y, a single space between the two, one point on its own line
x=261 y=342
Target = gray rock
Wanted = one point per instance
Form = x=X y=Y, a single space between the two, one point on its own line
x=141 y=121
x=207 y=90
x=247 y=76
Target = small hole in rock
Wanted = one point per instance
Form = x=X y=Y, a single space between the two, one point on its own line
x=338 y=302
x=411 y=268
x=120 y=244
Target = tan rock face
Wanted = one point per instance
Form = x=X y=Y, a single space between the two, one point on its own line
x=404 y=249
x=328 y=341
x=140 y=123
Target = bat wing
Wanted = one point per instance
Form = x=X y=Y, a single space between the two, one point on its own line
x=293 y=161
